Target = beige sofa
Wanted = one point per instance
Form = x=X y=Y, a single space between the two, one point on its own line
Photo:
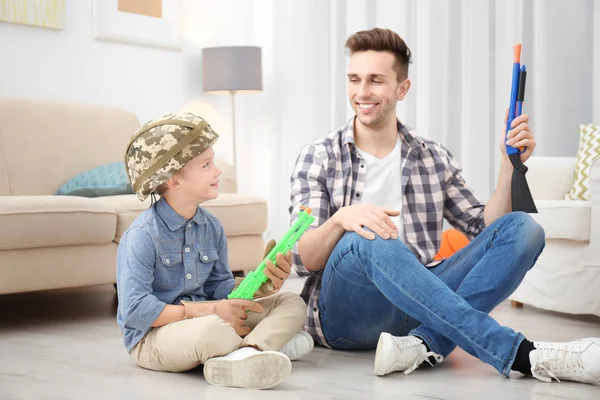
x=51 y=242
x=566 y=277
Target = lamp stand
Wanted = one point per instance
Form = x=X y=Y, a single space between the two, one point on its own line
x=232 y=93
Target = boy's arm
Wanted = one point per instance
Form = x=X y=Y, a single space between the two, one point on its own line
x=136 y=257
x=220 y=282
x=135 y=274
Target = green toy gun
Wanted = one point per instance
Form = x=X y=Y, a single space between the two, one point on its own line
x=256 y=278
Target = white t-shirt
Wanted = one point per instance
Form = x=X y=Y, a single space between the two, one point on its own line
x=383 y=182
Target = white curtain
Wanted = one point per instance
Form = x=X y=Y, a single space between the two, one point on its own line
x=461 y=76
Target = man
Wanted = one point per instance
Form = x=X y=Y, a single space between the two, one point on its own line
x=379 y=194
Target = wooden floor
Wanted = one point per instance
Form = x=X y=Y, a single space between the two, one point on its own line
x=66 y=345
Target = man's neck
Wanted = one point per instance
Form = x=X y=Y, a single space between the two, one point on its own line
x=378 y=142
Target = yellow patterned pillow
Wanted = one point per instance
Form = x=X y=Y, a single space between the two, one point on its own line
x=589 y=150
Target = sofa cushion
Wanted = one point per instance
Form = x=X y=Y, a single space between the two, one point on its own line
x=48 y=221
x=564 y=219
x=105 y=180
x=240 y=214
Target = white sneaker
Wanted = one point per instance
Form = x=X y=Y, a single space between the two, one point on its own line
x=298 y=346
x=401 y=353
x=572 y=361
x=248 y=368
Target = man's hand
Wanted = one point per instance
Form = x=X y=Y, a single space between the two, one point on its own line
x=520 y=135
x=277 y=274
x=376 y=218
x=234 y=312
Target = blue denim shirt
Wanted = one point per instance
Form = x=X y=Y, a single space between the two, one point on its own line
x=163 y=259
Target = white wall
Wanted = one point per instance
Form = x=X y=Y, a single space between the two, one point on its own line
x=461 y=75
x=70 y=65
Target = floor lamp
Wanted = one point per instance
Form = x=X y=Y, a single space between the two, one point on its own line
x=232 y=69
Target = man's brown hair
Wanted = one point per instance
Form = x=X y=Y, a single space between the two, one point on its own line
x=378 y=39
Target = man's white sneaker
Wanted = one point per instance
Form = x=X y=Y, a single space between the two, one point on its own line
x=248 y=368
x=401 y=353
x=571 y=361
x=298 y=346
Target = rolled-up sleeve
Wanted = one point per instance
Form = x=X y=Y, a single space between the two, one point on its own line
x=308 y=189
x=220 y=282
x=136 y=258
x=461 y=208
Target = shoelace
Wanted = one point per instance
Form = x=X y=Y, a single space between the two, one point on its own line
x=424 y=357
x=548 y=358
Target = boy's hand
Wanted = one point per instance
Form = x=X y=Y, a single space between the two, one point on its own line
x=277 y=274
x=234 y=313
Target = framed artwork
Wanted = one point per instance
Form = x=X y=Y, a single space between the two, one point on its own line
x=151 y=23
x=43 y=13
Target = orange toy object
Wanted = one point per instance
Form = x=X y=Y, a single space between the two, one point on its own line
x=452 y=241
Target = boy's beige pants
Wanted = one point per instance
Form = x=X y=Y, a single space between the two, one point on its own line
x=184 y=345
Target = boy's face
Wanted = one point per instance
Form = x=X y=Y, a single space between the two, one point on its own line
x=373 y=87
x=198 y=180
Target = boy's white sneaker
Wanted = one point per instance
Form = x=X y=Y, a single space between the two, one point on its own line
x=248 y=368
x=401 y=353
x=298 y=346
x=571 y=361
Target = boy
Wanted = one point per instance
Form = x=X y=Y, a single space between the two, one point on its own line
x=173 y=278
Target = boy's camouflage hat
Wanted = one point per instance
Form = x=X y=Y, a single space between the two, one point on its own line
x=163 y=146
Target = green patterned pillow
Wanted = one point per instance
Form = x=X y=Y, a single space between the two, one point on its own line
x=589 y=150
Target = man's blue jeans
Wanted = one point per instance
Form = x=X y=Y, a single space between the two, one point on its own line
x=374 y=286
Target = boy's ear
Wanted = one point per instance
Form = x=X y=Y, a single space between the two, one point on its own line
x=172 y=182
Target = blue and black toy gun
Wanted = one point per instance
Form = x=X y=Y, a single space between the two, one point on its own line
x=520 y=194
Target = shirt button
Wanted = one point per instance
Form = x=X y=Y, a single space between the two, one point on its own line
x=357 y=194
x=189 y=276
x=187 y=249
x=205 y=258
x=167 y=261
x=189 y=225
x=362 y=165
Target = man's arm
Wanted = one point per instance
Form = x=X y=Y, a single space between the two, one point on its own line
x=316 y=246
x=520 y=135
x=309 y=188
x=500 y=202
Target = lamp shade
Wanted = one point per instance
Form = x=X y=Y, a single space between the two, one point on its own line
x=232 y=68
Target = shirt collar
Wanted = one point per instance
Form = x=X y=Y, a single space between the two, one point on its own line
x=406 y=134
x=173 y=220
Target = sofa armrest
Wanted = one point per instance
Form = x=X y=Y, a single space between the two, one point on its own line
x=550 y=178
x=595 y=213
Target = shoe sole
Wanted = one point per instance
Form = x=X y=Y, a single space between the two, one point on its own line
x=383 y=347
x=259 y=371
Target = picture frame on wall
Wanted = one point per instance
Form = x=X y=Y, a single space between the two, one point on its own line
x=149 y=23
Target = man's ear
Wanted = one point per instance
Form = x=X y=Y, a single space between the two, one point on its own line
x=403 y=88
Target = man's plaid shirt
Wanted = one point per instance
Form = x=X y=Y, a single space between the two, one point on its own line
x=329 y=174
